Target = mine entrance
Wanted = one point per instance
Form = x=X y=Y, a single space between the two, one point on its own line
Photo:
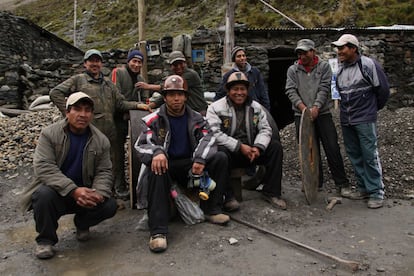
x=280 y=58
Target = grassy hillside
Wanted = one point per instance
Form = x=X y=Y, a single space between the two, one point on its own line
x=107 y=24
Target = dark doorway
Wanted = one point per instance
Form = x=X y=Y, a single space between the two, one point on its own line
x=280 y=58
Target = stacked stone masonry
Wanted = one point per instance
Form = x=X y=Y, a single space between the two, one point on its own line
x=32 y=60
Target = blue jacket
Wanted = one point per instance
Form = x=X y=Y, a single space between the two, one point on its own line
x=257 y=89
x=358 y=98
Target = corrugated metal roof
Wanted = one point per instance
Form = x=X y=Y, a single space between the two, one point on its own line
x=393 y=28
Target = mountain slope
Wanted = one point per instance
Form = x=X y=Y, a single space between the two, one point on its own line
x=107 y=24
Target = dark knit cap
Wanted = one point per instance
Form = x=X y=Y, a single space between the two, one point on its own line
x=135 y=54
x=234 y=52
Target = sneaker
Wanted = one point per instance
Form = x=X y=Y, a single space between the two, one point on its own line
x=218 y=219
x=375 y=203
x=158 y=243
x=231 y=205
x=275 y=201
x=44 y=251
x=347 y=192
x=82 y=235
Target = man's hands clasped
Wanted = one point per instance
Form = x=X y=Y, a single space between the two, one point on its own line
x=86 y=197
x=252 y=153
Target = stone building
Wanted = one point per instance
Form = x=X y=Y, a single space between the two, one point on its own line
x=272 y=50
x=32 y=60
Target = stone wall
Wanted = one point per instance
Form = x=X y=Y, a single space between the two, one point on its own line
x=32 y=60
x=394 y=49
x=30 y=56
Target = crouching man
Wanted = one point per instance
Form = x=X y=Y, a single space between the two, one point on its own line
x=175 y=140
x=244 y=132
x=73 y=175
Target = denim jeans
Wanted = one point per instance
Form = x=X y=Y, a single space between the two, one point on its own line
x=361 y=146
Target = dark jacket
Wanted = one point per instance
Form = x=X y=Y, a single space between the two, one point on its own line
x=155 y=136
x=155 y=139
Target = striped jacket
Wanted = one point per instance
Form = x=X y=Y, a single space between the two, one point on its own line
x=155 y=136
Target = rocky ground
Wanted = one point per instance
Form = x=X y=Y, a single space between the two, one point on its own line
x=381 y=241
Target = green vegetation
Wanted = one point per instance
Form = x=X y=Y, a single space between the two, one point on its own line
x=107 y=24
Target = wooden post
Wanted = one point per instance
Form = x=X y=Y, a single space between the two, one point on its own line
x=75 y=4
x=141 y=37
x=229 y=32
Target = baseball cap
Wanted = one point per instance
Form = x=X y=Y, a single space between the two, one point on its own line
x=305 y=45
x=176 y=56
x=76 y=97
x=345 y=39
x=92 y=52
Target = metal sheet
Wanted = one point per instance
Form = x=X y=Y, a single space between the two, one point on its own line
x=308 y=157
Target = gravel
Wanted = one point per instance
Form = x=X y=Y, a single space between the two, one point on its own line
x=18 y=136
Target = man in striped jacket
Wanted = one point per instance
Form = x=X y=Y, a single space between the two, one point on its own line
x=176 y=140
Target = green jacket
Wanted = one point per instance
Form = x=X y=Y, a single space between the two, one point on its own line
x=105 y=95
x=51 y=151
x=196 y=98
x=123 y=81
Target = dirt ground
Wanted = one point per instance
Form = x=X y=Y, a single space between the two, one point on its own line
x=381 y=241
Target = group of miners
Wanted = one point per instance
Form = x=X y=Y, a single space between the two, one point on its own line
x=79 y=161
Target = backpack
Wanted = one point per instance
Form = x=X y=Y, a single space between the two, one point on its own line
x=383 y=91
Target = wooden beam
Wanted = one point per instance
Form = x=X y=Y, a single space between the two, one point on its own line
x=229 y=32
x=141 y=37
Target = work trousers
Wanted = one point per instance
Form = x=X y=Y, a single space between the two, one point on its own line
x=361 y=147
x=49 y=206
x=159 y=190
x=271 y=158
x=326 y=134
